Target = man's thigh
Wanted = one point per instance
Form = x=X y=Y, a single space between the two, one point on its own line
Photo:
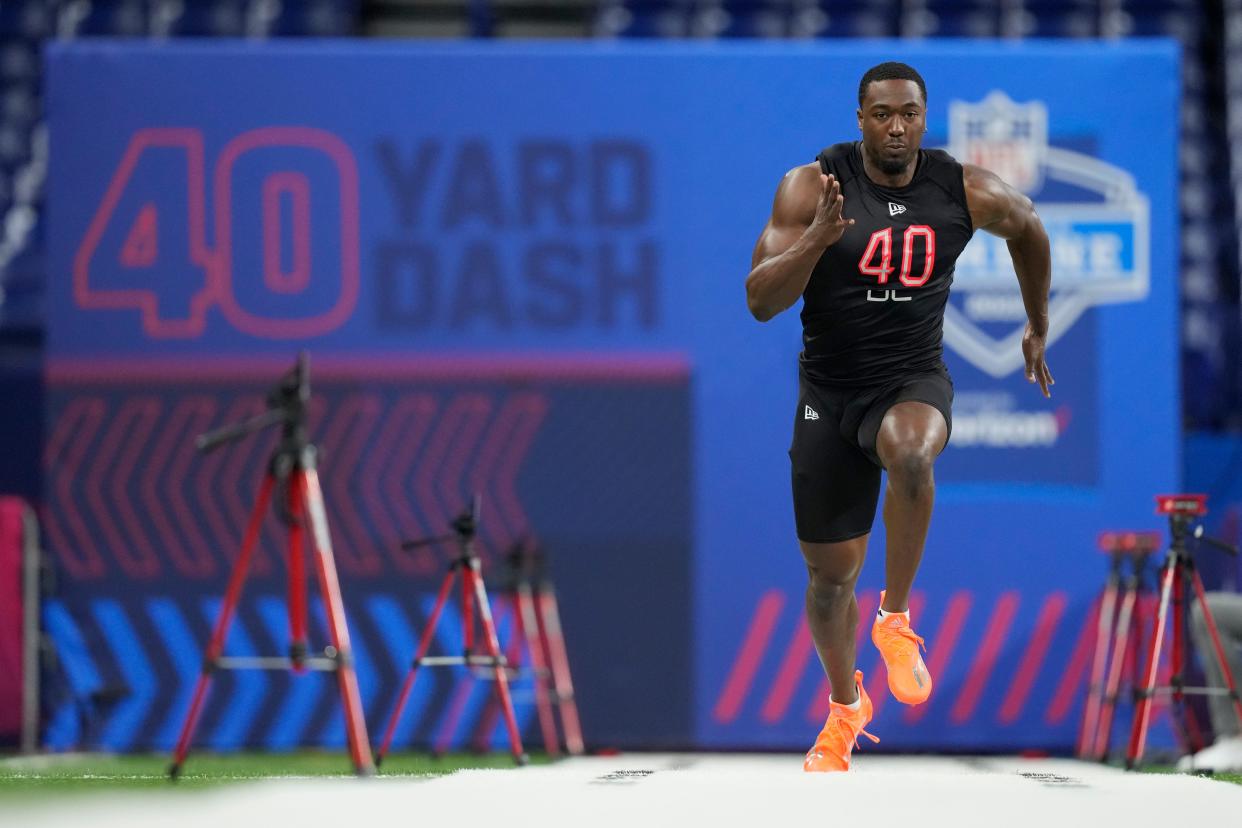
x=896 y=418
x=835 y=485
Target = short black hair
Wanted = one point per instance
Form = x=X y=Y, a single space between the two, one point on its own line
x=890 y=70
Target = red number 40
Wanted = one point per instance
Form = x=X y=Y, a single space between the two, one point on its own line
x=145 y=267
x=881 y=243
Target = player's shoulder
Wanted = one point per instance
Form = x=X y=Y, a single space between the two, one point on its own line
x=942 y=165
x=802 y=173
x=946 y=172
x=801 y=181
x=981 y=184
x=989 y=198
x=797 y=195
x=980 y=177
x=838 y=160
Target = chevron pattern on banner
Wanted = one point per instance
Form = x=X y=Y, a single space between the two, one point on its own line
x=158 y=643
x=128 y=493
x=144 y=531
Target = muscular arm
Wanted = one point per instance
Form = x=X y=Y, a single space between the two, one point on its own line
x=806 y=218
x=1003 y=211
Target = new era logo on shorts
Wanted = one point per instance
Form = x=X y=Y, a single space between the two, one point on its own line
x=810 y=414
x=895 y=209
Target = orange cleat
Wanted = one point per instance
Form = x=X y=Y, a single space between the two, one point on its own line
x=839 y=737
x=908 y=679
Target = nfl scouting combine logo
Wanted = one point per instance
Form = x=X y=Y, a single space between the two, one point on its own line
x=1097 y=222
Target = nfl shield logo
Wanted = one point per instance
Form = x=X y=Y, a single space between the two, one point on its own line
x=1099 y=235
x=1008 y=138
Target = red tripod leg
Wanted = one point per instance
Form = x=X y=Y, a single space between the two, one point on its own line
x=558 y=658
x=475 y=579
x=1142 y=713
x=1102 y=735
x=307 y=481
x=423 y=645
x=223 y=620
x=528 y=629
x=1105 y=633
x=297 y=583
x=513 y=655
x=1217 y=648
x=1178 y=656
x=1179 y=632
x=467 y=611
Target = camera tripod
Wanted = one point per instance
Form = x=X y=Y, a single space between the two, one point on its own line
x=1118 y=634
x=292 y=476
x=526 y=582
x=473 y=596
x=1179 y=573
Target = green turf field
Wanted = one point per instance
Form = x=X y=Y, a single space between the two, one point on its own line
x=1235 y=778
x=102 y=772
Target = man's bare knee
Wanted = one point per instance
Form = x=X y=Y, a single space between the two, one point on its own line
x=910 y=470
x=833 y=570
x=828 y=589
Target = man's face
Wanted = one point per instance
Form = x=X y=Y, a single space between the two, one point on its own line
x=892 y=118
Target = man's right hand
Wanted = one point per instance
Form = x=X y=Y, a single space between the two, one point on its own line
x=806 y=218
x=829 y=225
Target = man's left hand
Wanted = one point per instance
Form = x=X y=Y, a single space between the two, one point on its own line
x=1033 y=345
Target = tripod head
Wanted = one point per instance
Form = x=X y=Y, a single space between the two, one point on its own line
x=1129 y=543
x=286 y=405
x=526 y=560
x=1182 y=511
x=1135 y=547
x=465 y=527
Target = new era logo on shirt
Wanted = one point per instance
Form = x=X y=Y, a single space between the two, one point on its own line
x=896 y=209
x=810 y=414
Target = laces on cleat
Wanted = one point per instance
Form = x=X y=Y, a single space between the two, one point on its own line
x=851 y=734
x=906 y=632
x=909 y=635
x=863 y=731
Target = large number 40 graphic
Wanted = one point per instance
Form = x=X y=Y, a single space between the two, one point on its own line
x=881 y=242
x=146 y=248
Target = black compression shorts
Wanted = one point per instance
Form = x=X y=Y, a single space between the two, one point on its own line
x=836 y=471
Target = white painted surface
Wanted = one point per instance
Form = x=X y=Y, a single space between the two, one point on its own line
x=721 y=791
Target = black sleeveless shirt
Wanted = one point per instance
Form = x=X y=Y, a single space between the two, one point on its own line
x=873 y=310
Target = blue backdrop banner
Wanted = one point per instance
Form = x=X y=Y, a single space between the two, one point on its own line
x=520 y=268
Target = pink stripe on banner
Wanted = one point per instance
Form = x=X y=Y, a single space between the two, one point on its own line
x=748 y=658
x=1075 y=671
x=1033 y=659
x=985 y=660
x=545 y=366
x=791 y=669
